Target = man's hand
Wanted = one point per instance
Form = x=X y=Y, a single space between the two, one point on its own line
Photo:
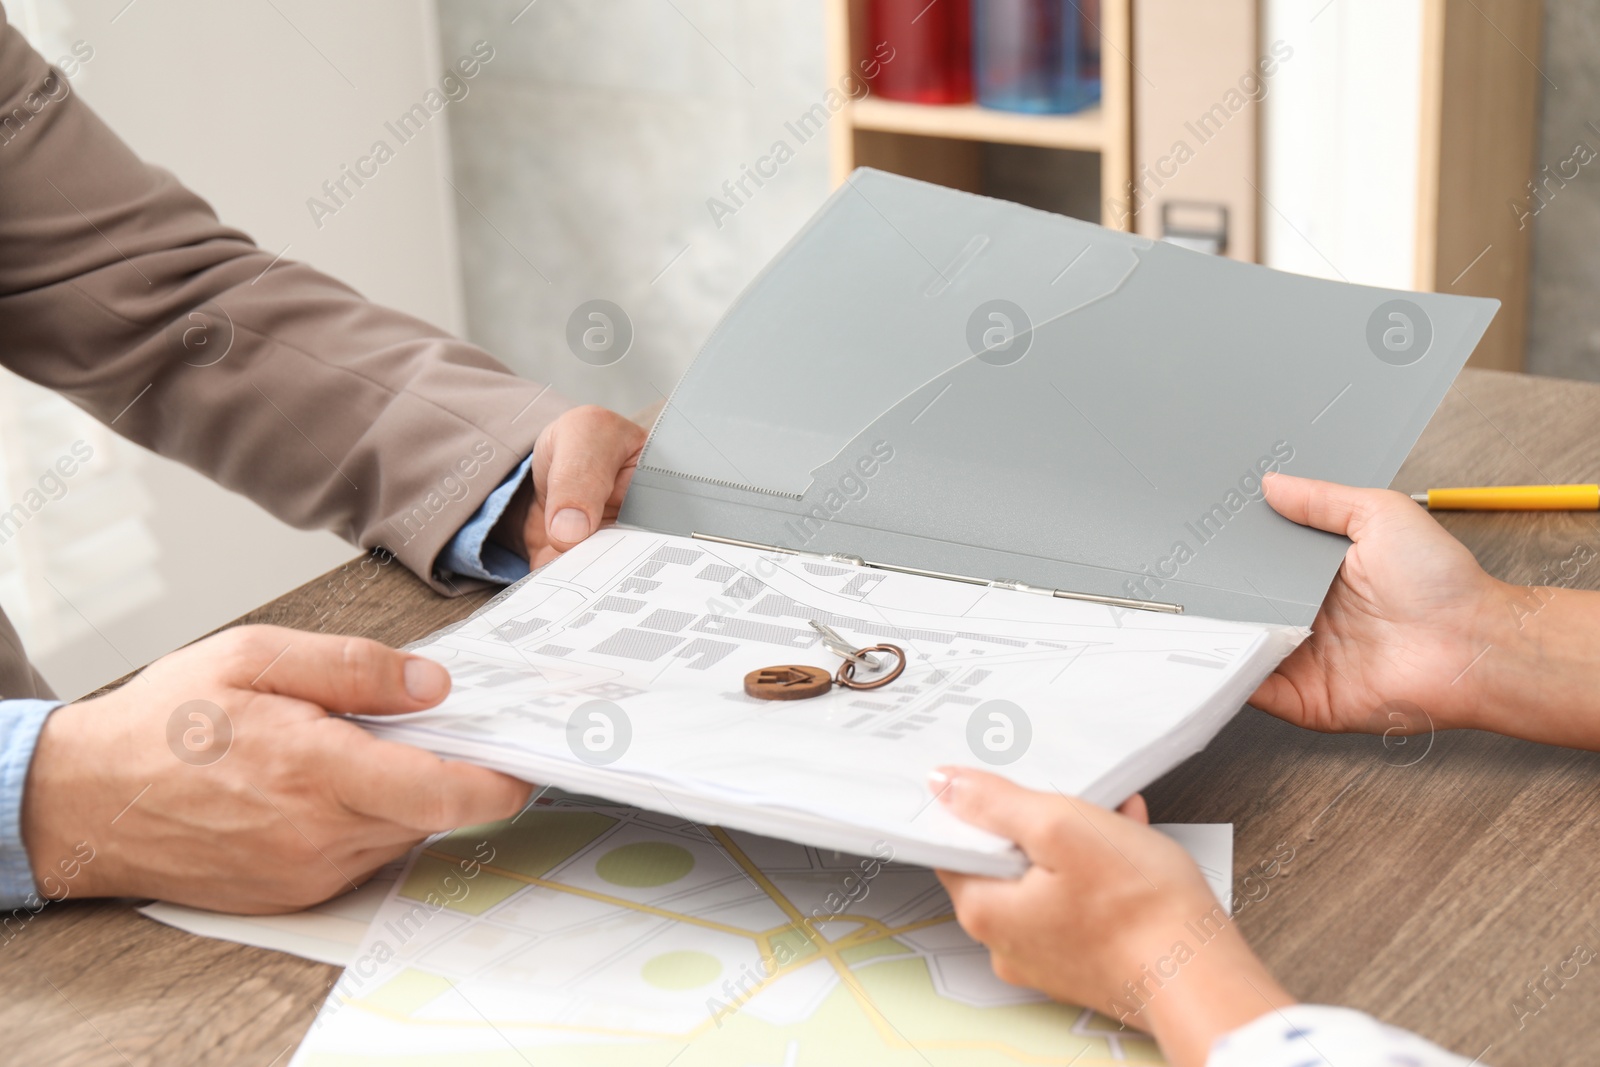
x=1098 y=918
x=1408 y=614
x=222 y=776
x=582 y=464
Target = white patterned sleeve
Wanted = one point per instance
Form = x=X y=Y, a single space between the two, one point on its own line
x=1309 y=1035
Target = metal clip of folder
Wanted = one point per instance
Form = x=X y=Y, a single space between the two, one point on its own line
x=1064 y=594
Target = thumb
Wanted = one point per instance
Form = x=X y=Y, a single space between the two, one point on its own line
x=417 y=789
x=348 y=675
x=1339 y=509
x=990 y=802
x=578 y=469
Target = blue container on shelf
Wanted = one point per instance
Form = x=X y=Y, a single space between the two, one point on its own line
x=1038 y=56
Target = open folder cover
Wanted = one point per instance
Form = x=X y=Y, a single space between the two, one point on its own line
x=1026 y=450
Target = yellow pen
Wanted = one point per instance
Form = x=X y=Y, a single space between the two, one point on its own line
x=1513 y=498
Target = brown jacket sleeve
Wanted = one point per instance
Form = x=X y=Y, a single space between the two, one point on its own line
x=121 y=290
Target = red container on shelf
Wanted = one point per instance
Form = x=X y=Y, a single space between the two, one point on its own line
x=932 y=43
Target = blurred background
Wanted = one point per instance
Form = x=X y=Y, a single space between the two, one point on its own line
x=629 y=150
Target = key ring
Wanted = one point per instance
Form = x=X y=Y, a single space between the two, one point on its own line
x=847 y=669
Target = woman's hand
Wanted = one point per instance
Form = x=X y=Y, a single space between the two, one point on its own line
x=1414 y=634
x=1112 y=915
x=1407 y=615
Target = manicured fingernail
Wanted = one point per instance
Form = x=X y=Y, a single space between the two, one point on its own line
x=940 y=783
x=569 y=525
x=426 y=680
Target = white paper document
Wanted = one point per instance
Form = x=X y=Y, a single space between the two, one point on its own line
x=586 y=934
x=329 y=932
x=618 y=671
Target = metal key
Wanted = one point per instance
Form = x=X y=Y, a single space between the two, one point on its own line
x=840 y=647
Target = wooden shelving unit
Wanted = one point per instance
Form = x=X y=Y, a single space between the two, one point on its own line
x=942 y=144
x=1480 y=126
x=1085 y=131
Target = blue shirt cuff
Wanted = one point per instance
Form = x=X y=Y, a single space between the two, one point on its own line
x=471 y=554
x=20 y=723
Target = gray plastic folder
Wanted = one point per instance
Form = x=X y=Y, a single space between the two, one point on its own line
x=1041 y=400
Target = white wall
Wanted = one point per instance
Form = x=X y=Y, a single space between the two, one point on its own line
x=1340 y=142
x=254 y=105
x=591 y=145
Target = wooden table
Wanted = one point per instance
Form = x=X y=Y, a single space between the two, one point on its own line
x=1427 y=884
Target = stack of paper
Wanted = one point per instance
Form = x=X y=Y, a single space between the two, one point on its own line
x=618 y=671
